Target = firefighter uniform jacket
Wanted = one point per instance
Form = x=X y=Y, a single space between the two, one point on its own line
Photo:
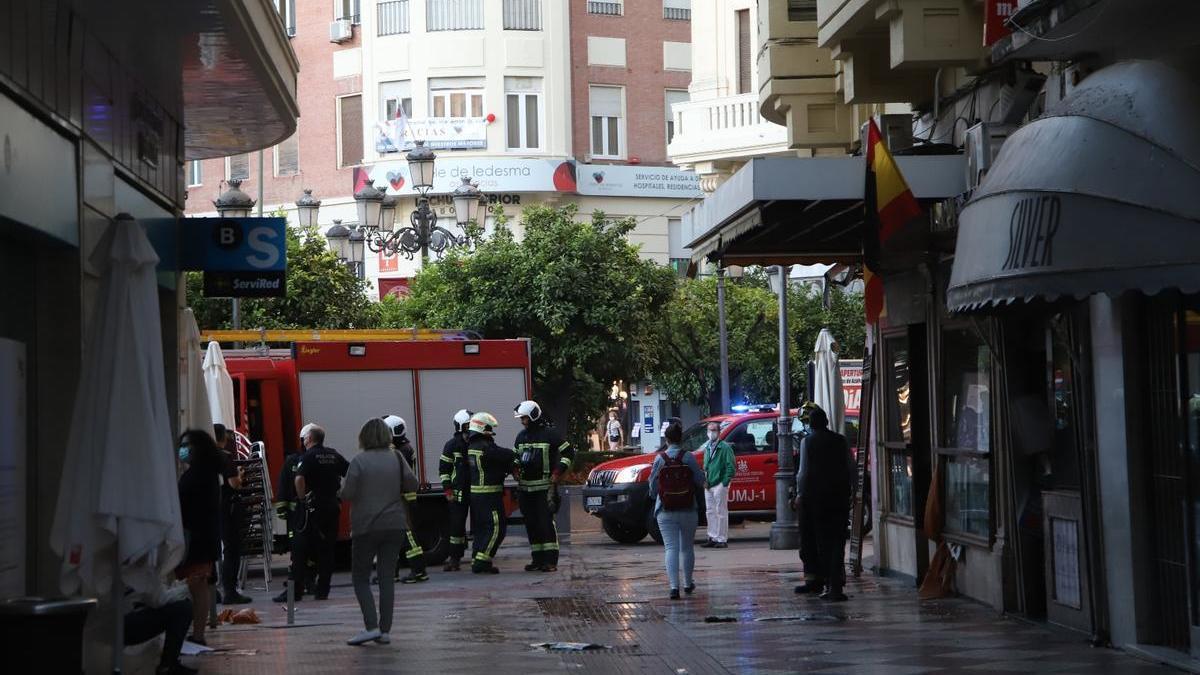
x=452 y=466
x=489 y=465
x=285 y=499
x=542 y=454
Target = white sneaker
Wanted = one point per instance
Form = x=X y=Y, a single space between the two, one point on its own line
x=364 y=637
x=384 y=639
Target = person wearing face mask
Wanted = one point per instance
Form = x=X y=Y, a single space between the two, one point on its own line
x=200 y=513
x=718 y=474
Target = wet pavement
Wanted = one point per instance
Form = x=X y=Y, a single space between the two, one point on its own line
x=744 y=618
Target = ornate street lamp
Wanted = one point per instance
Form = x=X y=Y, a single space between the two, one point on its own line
x=376 y=212
x=338 y=236
x=306 y=209
x=233 y=203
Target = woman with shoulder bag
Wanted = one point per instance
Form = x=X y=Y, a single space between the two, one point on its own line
x=374 y=486
x=675 y=481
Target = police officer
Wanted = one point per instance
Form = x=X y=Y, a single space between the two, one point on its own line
x=489 y=465
x=454 y=474
x=412 y=549
x=543 y=456
x=286 y=508
x=318 y=477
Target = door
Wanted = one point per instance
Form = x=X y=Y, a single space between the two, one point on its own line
x=755 y=462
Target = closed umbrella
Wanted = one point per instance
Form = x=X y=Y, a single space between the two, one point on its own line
x=827 y=380
x=109 y=534
x=196 y=411
x=219 y=386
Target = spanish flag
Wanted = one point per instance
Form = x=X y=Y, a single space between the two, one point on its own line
x=890 y=204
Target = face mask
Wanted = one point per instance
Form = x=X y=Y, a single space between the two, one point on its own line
x=712 y=435
x=184 y=453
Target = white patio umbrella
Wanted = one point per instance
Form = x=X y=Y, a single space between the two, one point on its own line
x=219 y=386
x=827 y=380
x=196 y=411
x=117 y=522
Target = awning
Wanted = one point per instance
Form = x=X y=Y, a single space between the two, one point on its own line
x=1098 y=196
x=789 y=210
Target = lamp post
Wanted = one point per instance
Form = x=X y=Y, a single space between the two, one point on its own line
x=785 y=531
x=233 y=203
x=306 y=209
x=347 y=244
x=377 y=213
x=734 y=272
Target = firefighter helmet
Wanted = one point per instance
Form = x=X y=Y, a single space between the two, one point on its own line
x=461 y=419
x=396 y=424
x=806 y=410
x=528 y=409
x=483 y=423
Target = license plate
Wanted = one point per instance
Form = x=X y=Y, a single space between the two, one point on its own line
x=594 y=501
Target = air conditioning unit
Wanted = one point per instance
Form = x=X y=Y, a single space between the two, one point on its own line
x=983 y=143
x=340 y=30
x=897 y=132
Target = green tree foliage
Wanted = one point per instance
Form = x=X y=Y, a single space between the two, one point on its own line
x=321 y=293
x=579 y=290
x=687 y=359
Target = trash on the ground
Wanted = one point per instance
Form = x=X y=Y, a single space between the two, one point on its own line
x=720 y=619
x=568 y=646
x=245 y=616
x=799 y=617
x=451 y=616
x=681 y=671
x=193 y=649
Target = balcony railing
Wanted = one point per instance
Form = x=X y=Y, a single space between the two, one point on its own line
x=677 y=13
x=607 y=8
x=728 y=127
x=522 y=14
x=453 y=15
x=392 y=17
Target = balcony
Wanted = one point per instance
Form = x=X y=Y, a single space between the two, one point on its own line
x=723 y=129
x=606 y=8
x=392 y=18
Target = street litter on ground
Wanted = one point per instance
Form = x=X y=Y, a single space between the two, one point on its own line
x=568 y=646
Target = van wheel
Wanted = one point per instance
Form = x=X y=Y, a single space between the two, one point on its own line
x=652 y=527
x=622 y=533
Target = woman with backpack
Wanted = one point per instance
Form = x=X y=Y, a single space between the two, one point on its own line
x=675 y=480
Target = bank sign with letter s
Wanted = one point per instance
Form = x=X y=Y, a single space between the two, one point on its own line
x=242 y=257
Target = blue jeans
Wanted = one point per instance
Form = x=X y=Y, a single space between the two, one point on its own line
x=679 y=538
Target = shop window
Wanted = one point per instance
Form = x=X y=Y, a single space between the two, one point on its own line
x=967 y=498
x=966 y=432
x=897 y=431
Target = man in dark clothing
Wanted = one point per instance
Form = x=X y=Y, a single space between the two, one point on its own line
x=318 y=478
x=232 y=515
x=146 y=619
x=286 y=507
x=543 y=457
x=413 y=553
x=455 y=476
x=824 y=486
x=489 y=465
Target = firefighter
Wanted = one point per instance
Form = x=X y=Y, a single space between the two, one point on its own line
x=489 y=465
x=543 y=456
x=285 y=508
x=412 y=549
x=318 y=479
x=454 y=474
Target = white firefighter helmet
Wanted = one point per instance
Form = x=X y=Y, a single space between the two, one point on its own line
x=461 y=419
x=483 y=423
x=528 y=409
x=396 y=424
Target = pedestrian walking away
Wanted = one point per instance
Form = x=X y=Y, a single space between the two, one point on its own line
x=615 y=433
x=824 y=486
x=718 y=474
x=489 y=465
x=232 y=514
x=200 y=513
x=544 y=457
x=286 y=507
x=675 y=481
x=455 y=476
x=376 y=485
x=413 y=553
x=318 y=478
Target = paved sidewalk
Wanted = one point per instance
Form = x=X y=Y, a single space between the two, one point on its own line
x=615 y=595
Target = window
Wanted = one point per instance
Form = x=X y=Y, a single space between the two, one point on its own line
x=802 y=10
x=193 y=173
x=395 y=98
x=897 y=425
x=753 y=436
x=287 y=156
x=350 y=130
x=673 y=96
x=392 y=18
x=744 y=51
x=347 y=9
x=237 y=167
x=966 y=432
x=523 y=101
x=456 y=97
x=522 y=14
x=287 y=14
x=677 y=10
x=607 y=8
x=608 y=125
x=453 y=15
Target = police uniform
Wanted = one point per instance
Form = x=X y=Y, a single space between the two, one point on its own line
x=454 y=474
x=489 y=465
x=413 y=553
x=543 y=456
x=322 y=469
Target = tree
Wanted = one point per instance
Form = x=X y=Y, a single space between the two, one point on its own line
x=322 y=292
x=686 y=363
x=579 y=290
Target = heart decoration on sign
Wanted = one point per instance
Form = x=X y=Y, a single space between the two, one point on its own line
x=599 y=176
x=396 y=179
x=458 y=130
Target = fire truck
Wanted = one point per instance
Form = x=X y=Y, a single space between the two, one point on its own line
x=339 y=379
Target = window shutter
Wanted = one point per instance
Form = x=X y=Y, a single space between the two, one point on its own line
x=605 y=101
x=743 y=29
x=352 y=130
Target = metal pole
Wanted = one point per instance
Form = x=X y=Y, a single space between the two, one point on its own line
x=291 y=601
x=724 y=339
x=785 y=531
x=423 y=213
